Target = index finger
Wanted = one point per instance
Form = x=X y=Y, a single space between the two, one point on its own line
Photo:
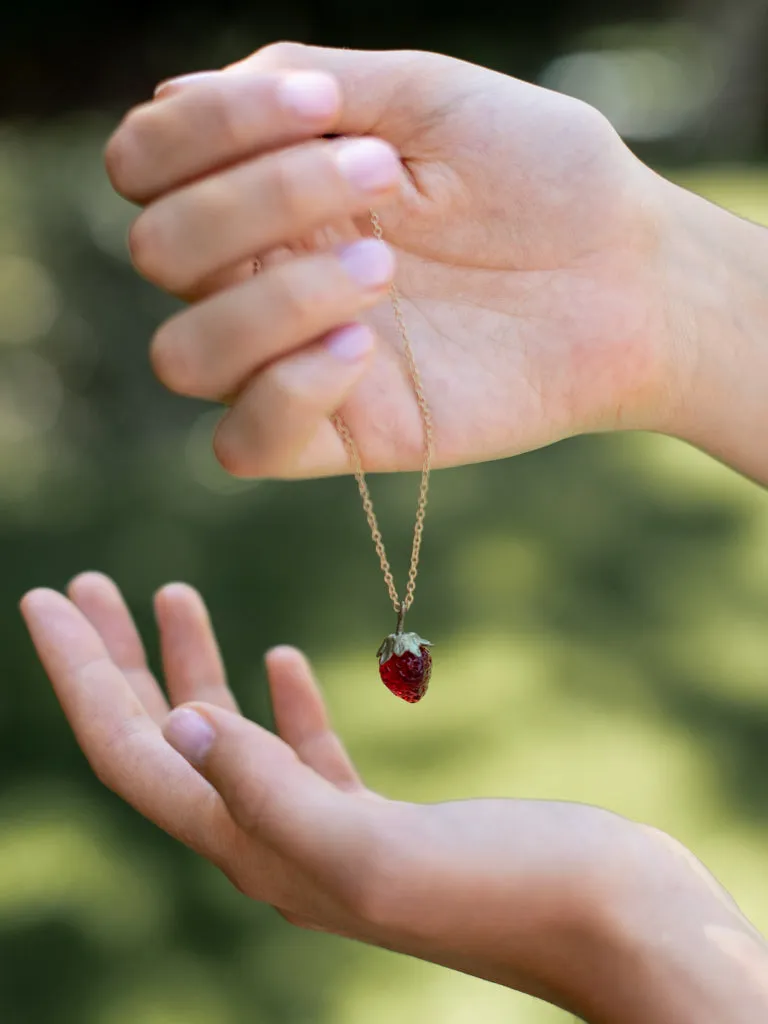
x=213 y=119
x=123 y=745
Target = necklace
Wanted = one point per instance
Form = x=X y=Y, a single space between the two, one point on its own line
x=405 y=663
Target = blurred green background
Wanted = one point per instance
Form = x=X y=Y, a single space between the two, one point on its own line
x=598 y=608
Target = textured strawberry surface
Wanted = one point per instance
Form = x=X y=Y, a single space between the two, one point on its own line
x=407 y=675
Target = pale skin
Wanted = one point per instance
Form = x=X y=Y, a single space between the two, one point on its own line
x=605 y=917
x=553 y=285
x=524 y=336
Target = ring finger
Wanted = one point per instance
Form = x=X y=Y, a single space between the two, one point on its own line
x=212 y=349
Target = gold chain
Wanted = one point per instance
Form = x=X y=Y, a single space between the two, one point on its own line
x=400 y=606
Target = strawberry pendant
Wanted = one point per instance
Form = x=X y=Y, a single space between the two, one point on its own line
x=405 y=665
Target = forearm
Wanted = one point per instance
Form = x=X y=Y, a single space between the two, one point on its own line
x=676 y=948
x=670 y=965
x=711 y=973
x=715 y=283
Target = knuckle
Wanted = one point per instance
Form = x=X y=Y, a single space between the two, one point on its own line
x=167 y=241
x=225 y=116
x=316 y=293
x=282 y=54
x=145 y=245
x=157 y=252
x=210 y=204
x=116 y=161
x=119 y=155
x=245 y=453
x=170 y=361
x=229 y=453
x=123 y=153
x=294 y=196
x=294 y=301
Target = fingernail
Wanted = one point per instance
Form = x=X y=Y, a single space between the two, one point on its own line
x=181 y=80
x=369 y=262
x=190 y=733
x=369 y=164
x=310 y=94
x=350 y=343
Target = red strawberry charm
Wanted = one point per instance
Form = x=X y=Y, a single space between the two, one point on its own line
x=405 y=665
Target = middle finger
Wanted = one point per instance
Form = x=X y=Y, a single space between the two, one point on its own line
x=215 y=223
x=101 y=602
x=192 y=662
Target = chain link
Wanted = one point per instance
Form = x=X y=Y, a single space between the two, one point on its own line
x=401 y=605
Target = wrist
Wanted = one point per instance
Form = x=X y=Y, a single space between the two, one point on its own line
x=714 y=271
x=676 y=947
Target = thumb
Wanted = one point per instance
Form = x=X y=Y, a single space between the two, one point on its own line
x=385 y=93
x=268 y=791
